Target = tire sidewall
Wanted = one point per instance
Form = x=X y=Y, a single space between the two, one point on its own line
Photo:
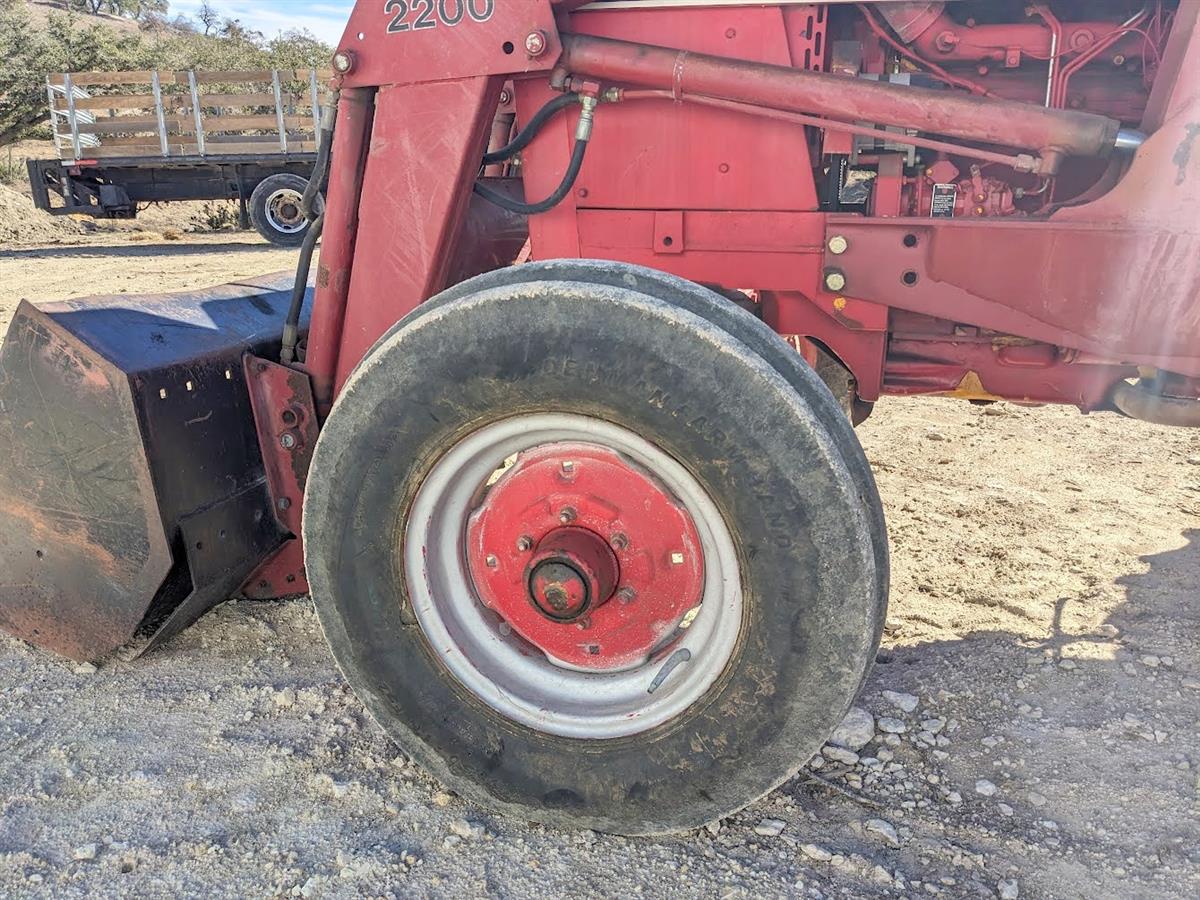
x=809 y=579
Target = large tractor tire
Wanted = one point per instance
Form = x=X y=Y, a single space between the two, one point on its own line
x=590 y=558
x=275 y=210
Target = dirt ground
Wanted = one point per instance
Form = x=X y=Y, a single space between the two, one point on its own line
x=1039 y=736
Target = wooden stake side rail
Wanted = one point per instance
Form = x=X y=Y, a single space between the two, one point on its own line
x=103 y=115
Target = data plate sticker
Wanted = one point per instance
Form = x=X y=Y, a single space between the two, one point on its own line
x=945 y=199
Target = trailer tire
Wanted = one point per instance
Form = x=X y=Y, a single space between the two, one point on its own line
x=787 y=553
x=275 y=210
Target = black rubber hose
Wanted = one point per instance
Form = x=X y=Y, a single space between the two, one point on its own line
x=308 y=203
x=291 y=326
x=532 y=209
x=530 y=131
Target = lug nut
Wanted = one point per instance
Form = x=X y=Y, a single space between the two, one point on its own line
x=287 y=440
x=626 y=595
x=491 y=561
x=677 y=559
x=535 y=43
x=838 y=245
x=835 y=280
x=619 y=541
x=524 y=543
x=567 y=516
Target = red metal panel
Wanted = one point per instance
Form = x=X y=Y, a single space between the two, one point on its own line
x=658 y=154
x=413 y=41
x=779 y=251
x=425 y=150
x=286 y=420
x=1118 y=291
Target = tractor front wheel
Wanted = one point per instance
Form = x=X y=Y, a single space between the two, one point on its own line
x=589 y=558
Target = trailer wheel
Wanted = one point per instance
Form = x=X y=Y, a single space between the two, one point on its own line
x=589 y=558
x=275 y=210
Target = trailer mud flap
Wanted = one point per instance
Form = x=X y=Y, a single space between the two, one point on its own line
x=133 y=496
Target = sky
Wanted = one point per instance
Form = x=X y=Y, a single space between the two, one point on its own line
x=324 y=18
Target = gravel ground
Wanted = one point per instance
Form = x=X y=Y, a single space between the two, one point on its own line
x=1031 y=729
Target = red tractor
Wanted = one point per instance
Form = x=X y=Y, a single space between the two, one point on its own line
x=561 y=441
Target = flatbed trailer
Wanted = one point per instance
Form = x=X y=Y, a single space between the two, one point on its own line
x=127 y=139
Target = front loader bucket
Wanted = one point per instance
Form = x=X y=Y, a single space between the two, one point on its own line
x=132 y=489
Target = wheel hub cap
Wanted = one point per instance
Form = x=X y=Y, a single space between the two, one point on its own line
x=586 y=556
x=572 y=573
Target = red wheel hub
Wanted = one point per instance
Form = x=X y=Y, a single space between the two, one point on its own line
x=586 y=556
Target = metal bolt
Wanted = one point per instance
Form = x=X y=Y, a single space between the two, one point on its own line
x=287 y=440
x=284 y=503
x=535 y=43
x=505 y=97
x=524 y=543
x=567 y=516
x=568 y=467
x=626 y=595
x=838 y=245
x=491 y=561
x=677 y=559
x=619 y=541
x=835 y=280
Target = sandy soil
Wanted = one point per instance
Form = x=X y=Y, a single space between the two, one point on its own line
x=1042 y=638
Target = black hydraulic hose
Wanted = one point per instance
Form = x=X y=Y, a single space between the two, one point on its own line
x=532 y=209
x=291 y=327
x=530 y=131
x=312 y=205
x=309 y=202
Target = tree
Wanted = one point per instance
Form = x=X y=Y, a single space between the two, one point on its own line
x=209 y=18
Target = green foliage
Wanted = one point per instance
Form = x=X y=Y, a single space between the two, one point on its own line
x=74 y=42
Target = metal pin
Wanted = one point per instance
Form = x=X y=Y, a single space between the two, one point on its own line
x=567 y=516
x=678 y=658
x=524 y=543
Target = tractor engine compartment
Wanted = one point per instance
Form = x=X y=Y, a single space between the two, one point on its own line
x=742 y=198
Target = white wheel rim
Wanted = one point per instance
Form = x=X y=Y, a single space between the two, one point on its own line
x=281 y=222
x=496 y=665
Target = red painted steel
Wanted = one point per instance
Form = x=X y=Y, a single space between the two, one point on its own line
x=721 y=197
x=396 y=42
x=350 y=140
x=612 y=526
x=426 y=145
x=939 y=112
x=286 y=420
